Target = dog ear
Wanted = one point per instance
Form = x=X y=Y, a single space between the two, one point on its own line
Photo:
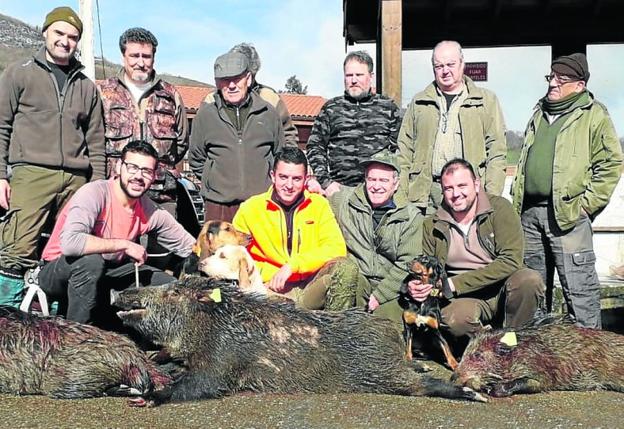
x=244 y=281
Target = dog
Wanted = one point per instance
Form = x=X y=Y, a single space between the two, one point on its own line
x=213 y=235
x=233 y=262
x=425 y=315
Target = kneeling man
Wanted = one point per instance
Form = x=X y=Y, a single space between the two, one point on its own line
x=296 y=242
x=382 y=236
x=93 y=246
x=478 y=238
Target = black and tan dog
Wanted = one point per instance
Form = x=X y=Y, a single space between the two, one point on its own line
x=213 y=235
x=424 y=316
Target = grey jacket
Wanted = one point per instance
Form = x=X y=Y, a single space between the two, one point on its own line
x=48 y=126
x=232 y=166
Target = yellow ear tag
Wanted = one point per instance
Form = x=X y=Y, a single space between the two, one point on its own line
x=215 y=295
x=510 y=339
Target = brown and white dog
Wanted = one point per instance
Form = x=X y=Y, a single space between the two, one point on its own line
x=234 y=262
x=213 y=235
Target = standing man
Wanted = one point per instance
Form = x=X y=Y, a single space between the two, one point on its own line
x=571 y=162
x=479 y=240
x=51 y=143
x=140 y=106
x=234 y=140
x=93 y=245
x=268 y=94
x=296 y=241
x=351 y=128
x=382 y=236
x=451 y=118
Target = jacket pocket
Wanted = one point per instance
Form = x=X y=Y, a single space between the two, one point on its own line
x=162 y=121
x=118 y=122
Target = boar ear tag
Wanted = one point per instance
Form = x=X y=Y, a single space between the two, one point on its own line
x=509 y=339
x=216 y=295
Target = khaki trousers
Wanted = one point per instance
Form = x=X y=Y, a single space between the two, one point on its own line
x=514 y=304
x=37 y=196
x=332 y=288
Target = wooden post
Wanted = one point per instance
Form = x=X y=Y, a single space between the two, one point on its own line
x=86 y=40
x=391 y=48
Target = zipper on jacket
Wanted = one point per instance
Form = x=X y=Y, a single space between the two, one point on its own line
x=61 y=102
x=238 y=126
x=298 y=239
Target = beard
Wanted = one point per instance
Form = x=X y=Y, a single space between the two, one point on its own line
x=124 y=184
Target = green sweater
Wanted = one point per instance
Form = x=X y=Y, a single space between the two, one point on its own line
x=539 y=164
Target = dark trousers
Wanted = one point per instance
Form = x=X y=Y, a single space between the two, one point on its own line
x=217 y=211
x=82 y=285
x=571 y=253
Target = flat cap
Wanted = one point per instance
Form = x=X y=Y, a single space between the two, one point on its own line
x=230 y=65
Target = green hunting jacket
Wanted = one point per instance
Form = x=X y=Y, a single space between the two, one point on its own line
x=483 y=136
x=587 y=164
x=500 y=234
x=381 y=253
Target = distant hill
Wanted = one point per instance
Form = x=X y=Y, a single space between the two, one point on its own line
x=19 y=40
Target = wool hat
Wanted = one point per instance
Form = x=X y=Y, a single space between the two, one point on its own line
x=574 y=65
x=63 y=13
x=230 y=65
x=383 y=157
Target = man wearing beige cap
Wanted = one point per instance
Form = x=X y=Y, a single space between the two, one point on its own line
x=570 y=163
x=51 y=143
x=234 y=140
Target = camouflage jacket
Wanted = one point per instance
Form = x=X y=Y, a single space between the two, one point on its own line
x=159 y=117
x=347 y=131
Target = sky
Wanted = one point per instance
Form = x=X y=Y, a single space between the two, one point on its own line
x=304 y=38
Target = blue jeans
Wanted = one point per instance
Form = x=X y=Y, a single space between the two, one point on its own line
x=571 y=253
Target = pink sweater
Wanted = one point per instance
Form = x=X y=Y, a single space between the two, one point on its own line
x=94 y=210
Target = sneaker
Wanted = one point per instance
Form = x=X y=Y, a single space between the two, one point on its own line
x=31 y=279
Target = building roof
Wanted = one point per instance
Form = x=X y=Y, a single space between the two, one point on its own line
x=192 y=96
x=303 y=106
x=299 y=106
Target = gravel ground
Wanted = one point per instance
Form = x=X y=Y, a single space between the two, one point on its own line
x=548 y=410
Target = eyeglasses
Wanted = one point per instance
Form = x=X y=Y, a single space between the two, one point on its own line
x=561 y=79
x=133 y=169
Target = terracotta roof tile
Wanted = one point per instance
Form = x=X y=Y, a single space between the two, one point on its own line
x=303 y=105
x=193 y=95
x=299 y=106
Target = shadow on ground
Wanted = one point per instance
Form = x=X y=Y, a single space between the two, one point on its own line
x=547 y=410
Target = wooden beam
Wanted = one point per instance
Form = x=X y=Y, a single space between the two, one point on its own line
x=391 y=48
